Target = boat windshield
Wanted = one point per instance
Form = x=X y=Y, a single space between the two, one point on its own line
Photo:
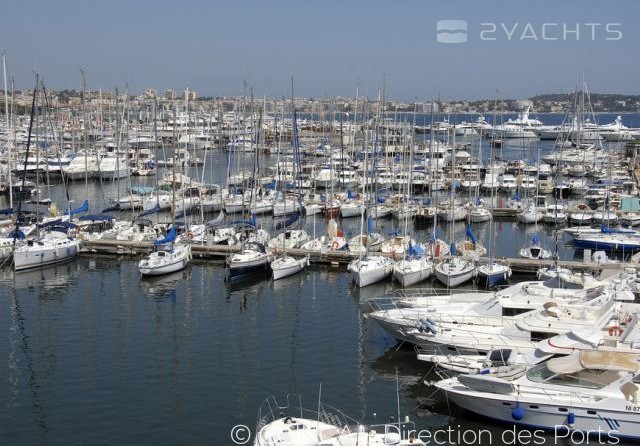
x=585 y=378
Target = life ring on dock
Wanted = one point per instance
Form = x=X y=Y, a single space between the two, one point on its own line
x=616 y=330
x=190 y=234
x=335 y=245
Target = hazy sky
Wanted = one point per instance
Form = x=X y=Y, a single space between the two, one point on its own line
x=327 y=46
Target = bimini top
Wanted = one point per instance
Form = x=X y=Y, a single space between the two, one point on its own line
x=594 y=360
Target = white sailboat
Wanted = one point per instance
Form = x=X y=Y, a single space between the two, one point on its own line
x=50 y=249
x=413 y=269
x=367 y=269
x=285 y=266
x=165 y=259
x=454 y=271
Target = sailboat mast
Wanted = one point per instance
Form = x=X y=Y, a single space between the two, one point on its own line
x=173 y=173
x=84 y=133
x=6 y=117
x=26 y=157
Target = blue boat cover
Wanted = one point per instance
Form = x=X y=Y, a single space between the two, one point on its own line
x=169 y=238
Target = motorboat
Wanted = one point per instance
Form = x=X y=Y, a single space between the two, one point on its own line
x=586 y=391
x=286 y=423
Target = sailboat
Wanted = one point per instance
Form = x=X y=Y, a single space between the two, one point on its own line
x=165 y=259
x=535 y=250
x=414 y=268
x=253 y=258
x=284 y=265
x=368 y=269
x=54 y=246
x=455 y=270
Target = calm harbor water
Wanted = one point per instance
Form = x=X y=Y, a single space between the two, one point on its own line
x=95 y=355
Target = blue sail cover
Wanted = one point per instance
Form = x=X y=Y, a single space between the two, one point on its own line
x=155 y=209
x=78 y=210
x=470 y=234
x=142 y=190
x=453 y=249
x=50 y=223
x=288 y=222
x=16 y=234
x=608 y=230
x=96 y=217
x=371 y=225
x=6 y=211
x=350 y=195
x=169 y=238
x=251 y=222
x=415 y=250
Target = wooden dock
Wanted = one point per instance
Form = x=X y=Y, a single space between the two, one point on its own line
x=329 y=257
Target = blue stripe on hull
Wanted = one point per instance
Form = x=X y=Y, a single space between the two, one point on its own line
x=604 y=246
x=247 y=270
x=491 y=280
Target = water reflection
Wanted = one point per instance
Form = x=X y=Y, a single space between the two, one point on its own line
x=164 y=287
x=19 y=341
x=49 y=281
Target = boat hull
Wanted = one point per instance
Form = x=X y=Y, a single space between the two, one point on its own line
x=165 y=269
x=249 y=267
x=24 y=259
x=554 y=416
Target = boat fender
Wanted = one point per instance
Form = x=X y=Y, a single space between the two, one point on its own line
x=431 y=328
x=616 y=330
x=485 y=371
x=431 y=321
x=517 y=413
x=571 y=419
